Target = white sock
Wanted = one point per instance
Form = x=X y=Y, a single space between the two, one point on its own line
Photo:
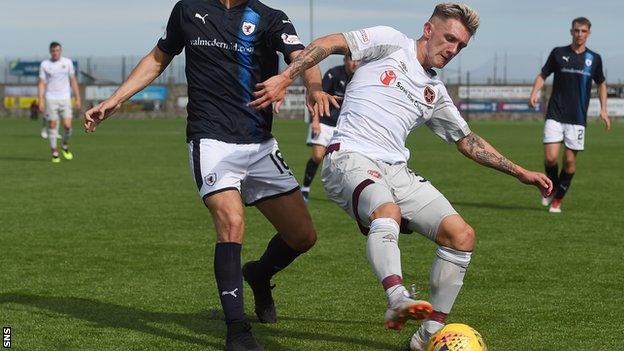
x=382 y=249
x=447 y=277
x=52 y=133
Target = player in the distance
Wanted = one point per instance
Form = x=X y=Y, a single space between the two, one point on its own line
x=230 y=46
x=335 y=82
x=56 y=77
x=393 y=91
x=574 y=66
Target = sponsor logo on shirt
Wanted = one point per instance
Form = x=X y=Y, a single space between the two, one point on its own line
x=388 y=77
x=576 y=71
x=290 y=39
x=375 y=174
x=221 y=45
x=248 y=28
x=363 y=36
x=411 y=98
x=203 y=18
x=588 y=62
x=429 y=95
x=566 y=58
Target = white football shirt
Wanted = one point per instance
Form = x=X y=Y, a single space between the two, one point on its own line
x=389 y=95
x=56 y=76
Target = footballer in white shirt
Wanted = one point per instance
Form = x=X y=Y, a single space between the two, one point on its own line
x=56 y=76
x=393 y=91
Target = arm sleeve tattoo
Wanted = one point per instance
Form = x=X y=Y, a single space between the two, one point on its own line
x=311 y=56
x=474 y=147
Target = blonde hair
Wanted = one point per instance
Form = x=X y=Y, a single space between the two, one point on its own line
x=461 y=12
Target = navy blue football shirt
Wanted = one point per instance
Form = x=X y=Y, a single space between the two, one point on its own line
x=572 y=83
x=335 y=82
x=228 y=51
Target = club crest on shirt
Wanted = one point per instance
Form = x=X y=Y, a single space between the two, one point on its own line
x=388 y=77
x=248 y=28
x=429 y=95
x=210 y=179
x=588 y=62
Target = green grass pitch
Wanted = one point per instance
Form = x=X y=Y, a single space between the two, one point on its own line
x=114 y=250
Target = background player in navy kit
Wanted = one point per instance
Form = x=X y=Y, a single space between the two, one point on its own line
x=230 y=46
x=335 y=83
x=574 y=66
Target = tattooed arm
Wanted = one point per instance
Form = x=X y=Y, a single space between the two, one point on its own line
x=479 y=150
x=274 y=88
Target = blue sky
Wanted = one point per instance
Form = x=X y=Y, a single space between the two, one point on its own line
x=525 y=30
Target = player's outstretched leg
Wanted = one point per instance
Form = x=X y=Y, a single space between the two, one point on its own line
x=295 y=236
x=227 y=213
x=456 y=240
x=382 y=250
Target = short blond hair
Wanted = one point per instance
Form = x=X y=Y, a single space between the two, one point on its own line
x=461 y=12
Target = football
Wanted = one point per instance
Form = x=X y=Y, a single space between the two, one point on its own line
x=456 y=337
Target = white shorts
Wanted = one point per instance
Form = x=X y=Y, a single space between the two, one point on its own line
x=360 y=185
x=572 y=135
x=323 y=138
x=57 y=109
x=257 y=171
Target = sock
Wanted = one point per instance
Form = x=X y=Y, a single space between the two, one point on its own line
x=227 y=268
x=565 y=179
x=382 y=249
x=52 y=134
x=553 y=173
x=277 y=256
x=67 y=132
x=447 y=277
x=309 y=173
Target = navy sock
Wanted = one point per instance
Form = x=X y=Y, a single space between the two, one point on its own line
x=309 y=172
x=278 y=255
x=553 y=174
x=565 y=179
x=227 y=268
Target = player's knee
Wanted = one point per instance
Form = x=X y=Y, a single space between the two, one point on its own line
x=230 y=226
x=303 y=240
x=308 y=241
x=550 y=161
x=465 y=239
x=387 y=210
x=317 y=158
x=570 y=166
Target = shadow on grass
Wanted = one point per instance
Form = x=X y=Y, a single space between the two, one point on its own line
x=105 y=314
x=494 y=206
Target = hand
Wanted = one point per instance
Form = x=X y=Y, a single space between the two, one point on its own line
x=533 y=100
x=42 y=105
x=319 y=103
x=78 y=104
x=541 y=181
x=269 y=91
x=604 y=116
x=97 y=114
